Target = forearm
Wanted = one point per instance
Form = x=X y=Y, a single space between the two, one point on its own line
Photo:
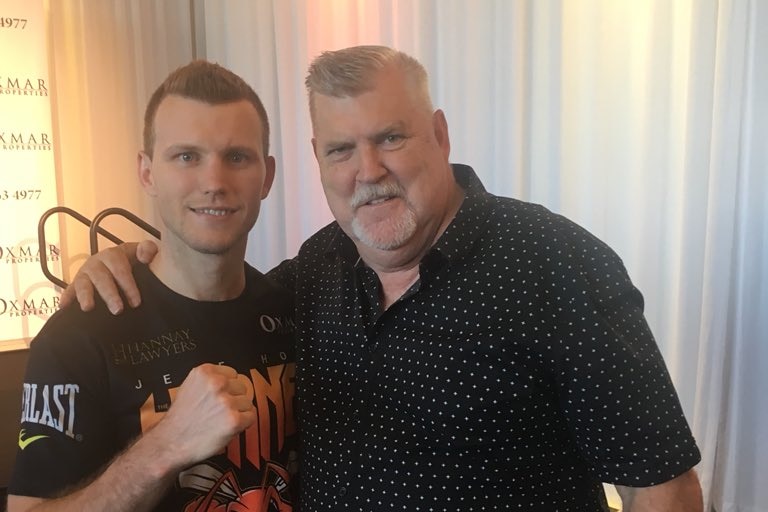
x=135 y=481
x=681 y=494
x=211 y=407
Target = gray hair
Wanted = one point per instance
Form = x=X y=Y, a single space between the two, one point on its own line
x=350 y=72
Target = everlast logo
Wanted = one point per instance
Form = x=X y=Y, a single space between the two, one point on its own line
x=52 y=405
x=16 y=86
x=26 y=307
x=28 y=254
x=25 y=141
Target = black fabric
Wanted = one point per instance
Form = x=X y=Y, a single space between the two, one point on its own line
x=517 y=374
x=104 y=378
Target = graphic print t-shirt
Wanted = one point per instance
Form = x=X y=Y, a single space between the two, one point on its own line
x=95 y=382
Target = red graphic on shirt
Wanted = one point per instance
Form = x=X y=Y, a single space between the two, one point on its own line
x=225 y=494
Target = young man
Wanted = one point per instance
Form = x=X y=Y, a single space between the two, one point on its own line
x=460 y=350
x=185 y=403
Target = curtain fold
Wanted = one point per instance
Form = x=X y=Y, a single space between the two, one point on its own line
x=741 y=463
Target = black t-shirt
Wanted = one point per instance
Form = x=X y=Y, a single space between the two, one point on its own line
x=95 y=381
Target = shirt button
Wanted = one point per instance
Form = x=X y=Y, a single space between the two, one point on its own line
x=342 y=491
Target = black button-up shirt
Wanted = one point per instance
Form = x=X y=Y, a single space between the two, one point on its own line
x=517 y=373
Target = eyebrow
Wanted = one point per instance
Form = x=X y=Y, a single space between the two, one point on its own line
x=243 y=149
x=182 y=148
x=397 y=126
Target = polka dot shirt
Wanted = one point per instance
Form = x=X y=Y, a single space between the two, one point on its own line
x=516 y=374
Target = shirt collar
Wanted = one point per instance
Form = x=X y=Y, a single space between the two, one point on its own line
x=465 y=228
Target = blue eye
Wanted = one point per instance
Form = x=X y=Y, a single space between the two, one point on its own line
x=392 y=140
x=237 y=157
x=240 y=156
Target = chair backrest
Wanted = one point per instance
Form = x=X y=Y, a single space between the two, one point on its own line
x=94 y=229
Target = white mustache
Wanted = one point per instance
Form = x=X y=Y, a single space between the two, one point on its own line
x=367 y=193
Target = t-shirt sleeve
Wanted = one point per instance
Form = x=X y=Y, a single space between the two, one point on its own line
x=65 y=430
x=616 y=393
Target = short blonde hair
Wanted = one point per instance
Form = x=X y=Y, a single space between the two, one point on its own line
x=350 y=72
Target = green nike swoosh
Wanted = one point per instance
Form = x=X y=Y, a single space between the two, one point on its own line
x=23 y=443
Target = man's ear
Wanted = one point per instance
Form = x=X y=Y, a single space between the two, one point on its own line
x=440 y=127
x=144 y=170
x=269 y=176
x=314 y=148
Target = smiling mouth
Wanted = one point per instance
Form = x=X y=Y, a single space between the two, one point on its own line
x=378 y=200
x=375 y=201
x=216 y=212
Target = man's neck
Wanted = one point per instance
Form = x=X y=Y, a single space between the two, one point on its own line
x=202 y=277
x=395 y=284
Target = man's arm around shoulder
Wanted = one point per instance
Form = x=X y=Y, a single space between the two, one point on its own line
x=681 y=494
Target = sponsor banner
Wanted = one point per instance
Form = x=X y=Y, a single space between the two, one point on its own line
x=27 y=173
x=23 y=86
x=35 y=304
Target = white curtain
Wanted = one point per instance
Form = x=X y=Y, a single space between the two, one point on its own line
x=646 y=121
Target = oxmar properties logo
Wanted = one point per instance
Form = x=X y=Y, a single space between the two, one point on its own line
x=25 y=141
x=41 y=305
x=22 y=86
x=28 y=254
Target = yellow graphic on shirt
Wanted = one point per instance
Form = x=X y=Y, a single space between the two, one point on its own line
x=23 y=443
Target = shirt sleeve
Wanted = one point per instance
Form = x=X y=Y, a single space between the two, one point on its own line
x=285 y=273
x=65 y=431
x=615 y=391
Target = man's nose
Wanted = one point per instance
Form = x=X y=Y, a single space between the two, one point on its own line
x=370 y=168
x=213 y=175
